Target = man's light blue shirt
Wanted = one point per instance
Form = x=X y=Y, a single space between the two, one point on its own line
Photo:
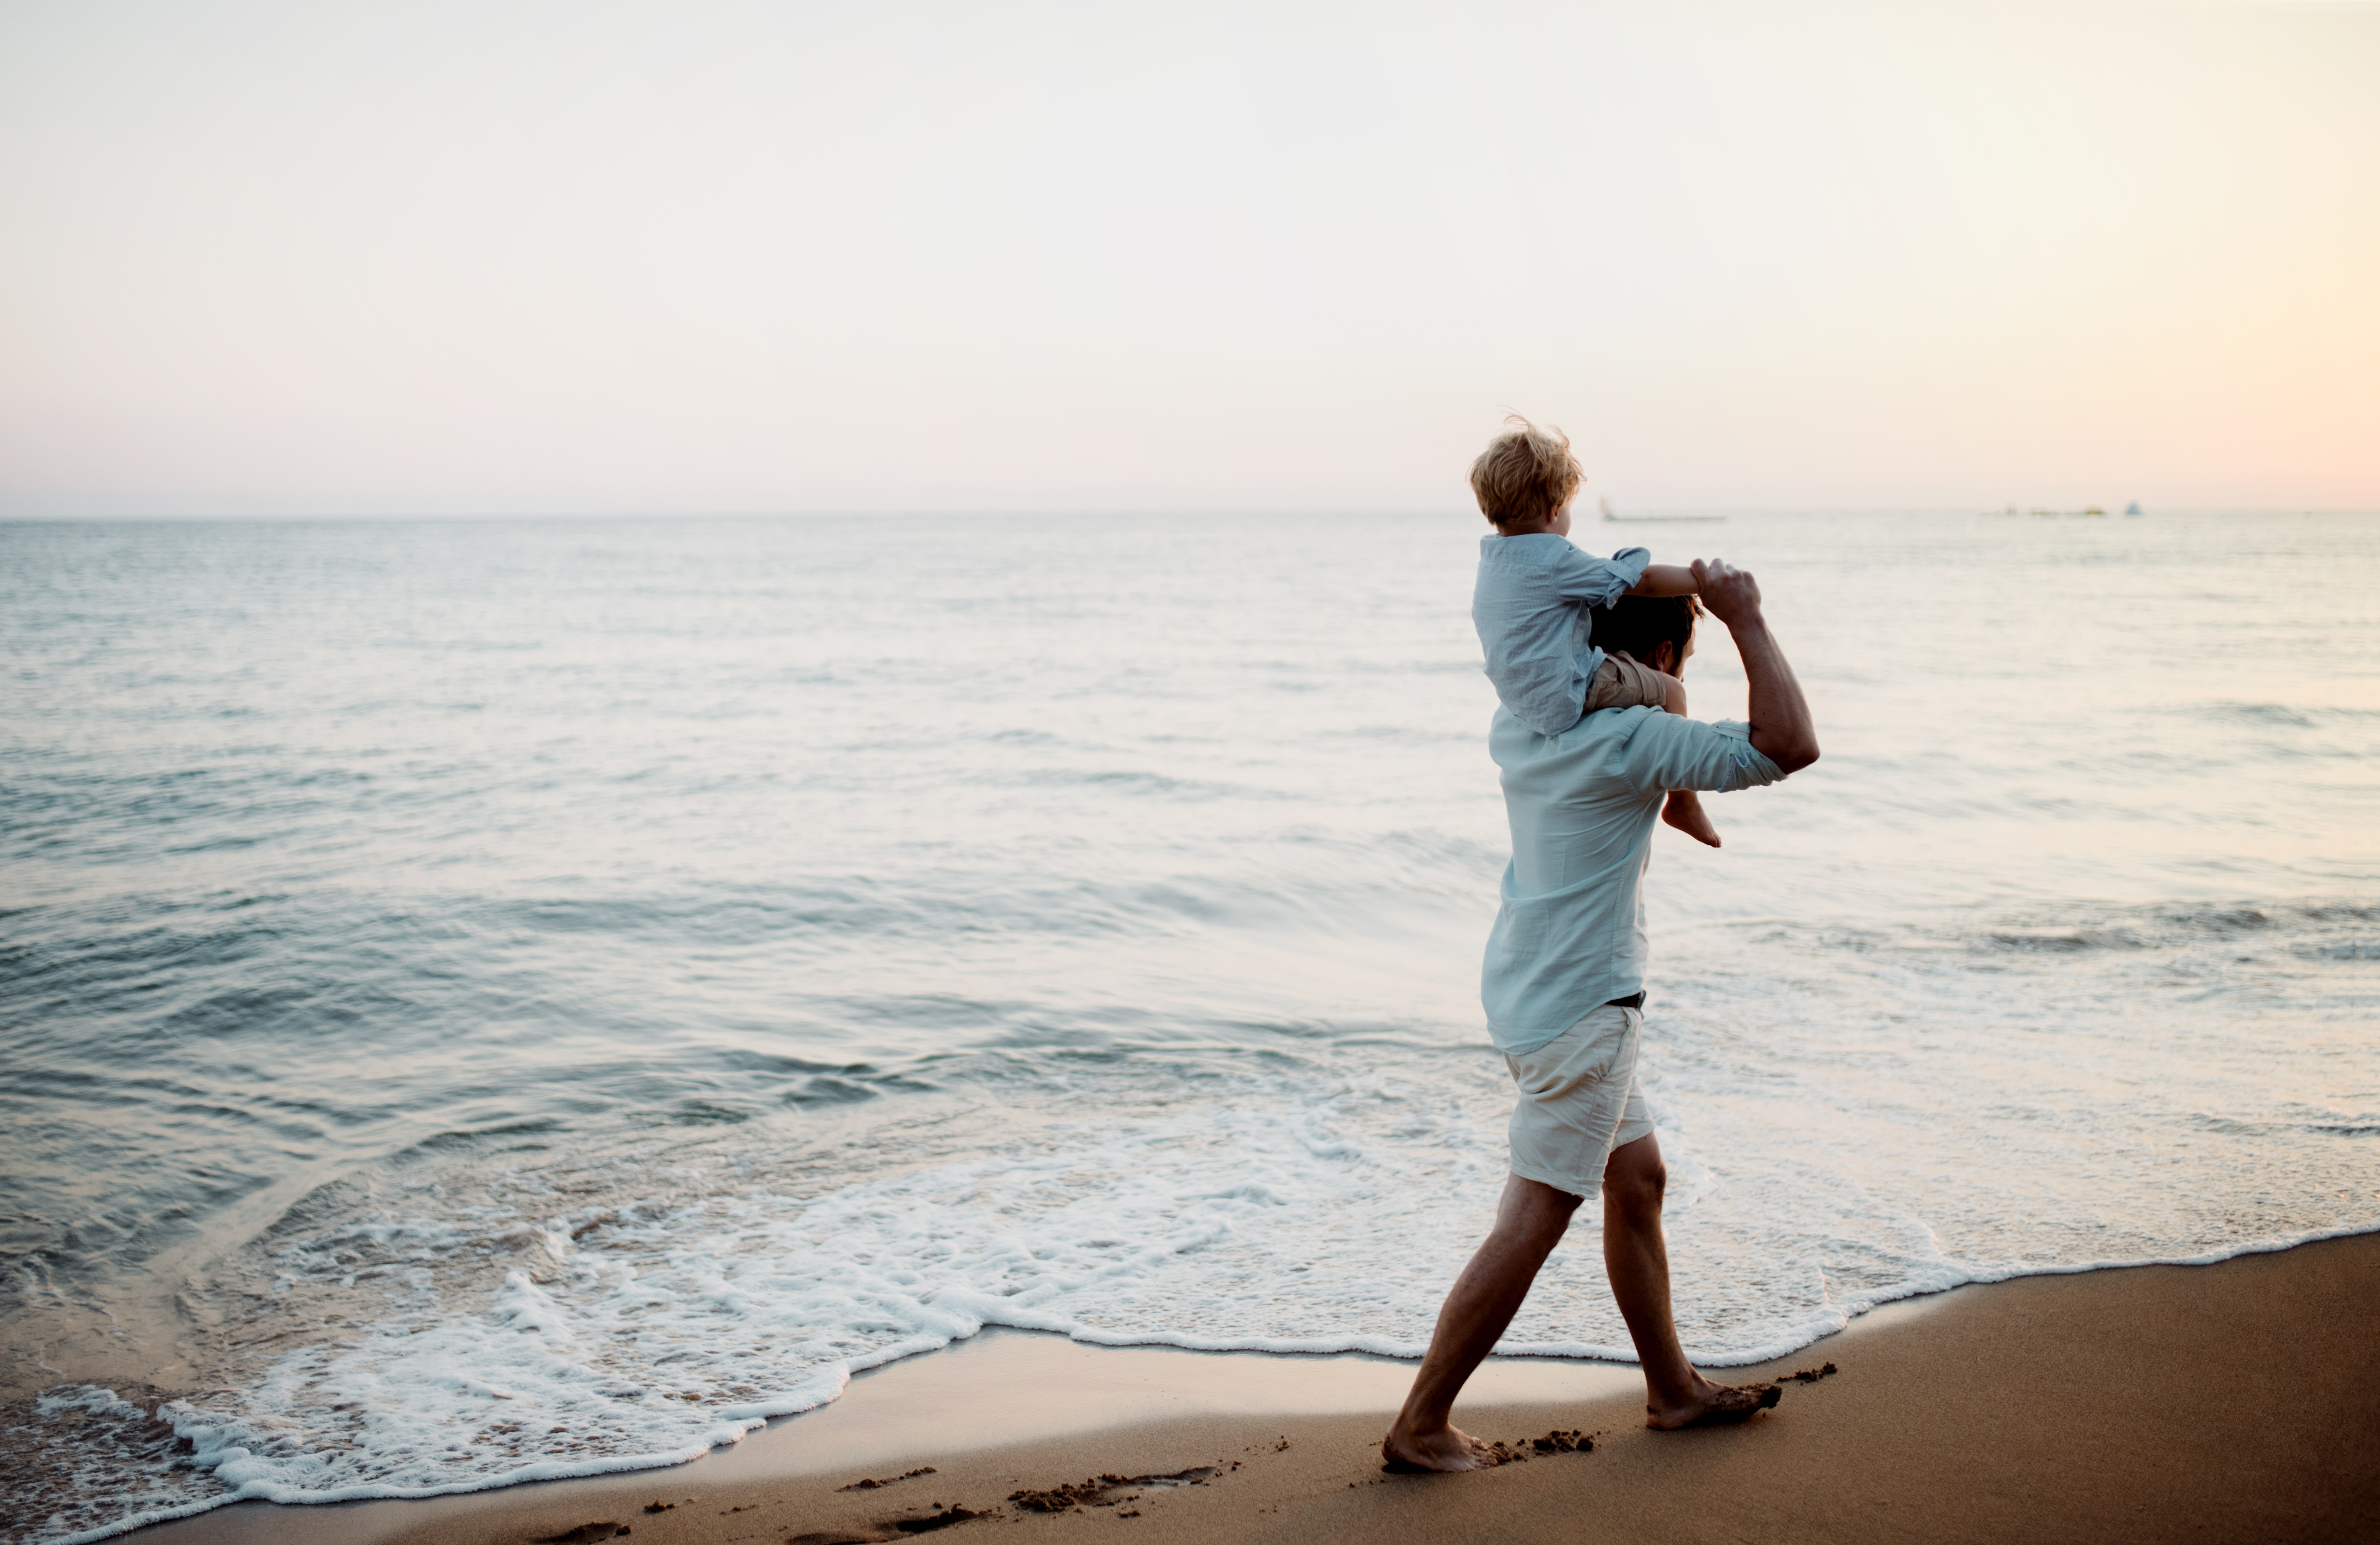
x=1530 y=606
x=1570 y=934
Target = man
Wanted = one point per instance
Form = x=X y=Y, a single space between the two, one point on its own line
x=1564 y=990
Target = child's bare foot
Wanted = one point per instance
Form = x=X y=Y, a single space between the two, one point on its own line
x=1684 y=811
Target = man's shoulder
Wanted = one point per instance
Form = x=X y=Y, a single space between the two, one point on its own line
x=1605 y=731
x=1609 y=732
x=1657 y=725
x=1650 y=731
x=1626 y=724
x=1713 y=755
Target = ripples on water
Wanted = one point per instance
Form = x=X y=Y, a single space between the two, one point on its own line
x=491 y=1001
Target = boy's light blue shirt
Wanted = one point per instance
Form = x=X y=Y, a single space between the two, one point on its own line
x=1530 y=606
x=1570 y=934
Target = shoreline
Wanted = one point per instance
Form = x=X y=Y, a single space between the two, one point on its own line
x=2122 y=1402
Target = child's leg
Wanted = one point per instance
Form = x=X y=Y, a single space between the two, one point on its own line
x=1683 y=809
x=1624 y=682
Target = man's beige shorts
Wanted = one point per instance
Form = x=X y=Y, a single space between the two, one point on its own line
x=1579 y=1100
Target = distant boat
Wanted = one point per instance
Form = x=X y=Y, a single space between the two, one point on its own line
x=1605 y=506
x=2092 y=513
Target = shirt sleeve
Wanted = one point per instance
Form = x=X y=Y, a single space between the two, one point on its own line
x=1667 y=751
x=1598 y=582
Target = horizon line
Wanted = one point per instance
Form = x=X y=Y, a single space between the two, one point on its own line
x=1652 y=513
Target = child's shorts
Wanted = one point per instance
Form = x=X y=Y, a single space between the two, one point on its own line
x=1620 y=682
x=1579 y=1100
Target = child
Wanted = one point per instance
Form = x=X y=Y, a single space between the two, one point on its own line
x=1533 y=592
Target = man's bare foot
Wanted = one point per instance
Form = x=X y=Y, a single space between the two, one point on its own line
x=1684 y=811
x=1449 y=1448
x=1716 y=1406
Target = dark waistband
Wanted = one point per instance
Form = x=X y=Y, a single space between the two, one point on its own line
x=1633 y=1000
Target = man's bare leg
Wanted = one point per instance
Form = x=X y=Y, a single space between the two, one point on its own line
x=1636 y=1258
x=1529 y=1224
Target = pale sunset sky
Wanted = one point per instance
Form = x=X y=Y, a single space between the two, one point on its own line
x=450 y=259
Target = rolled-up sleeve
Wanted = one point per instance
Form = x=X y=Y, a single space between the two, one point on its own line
x=1665 y=751
x=1598 y=582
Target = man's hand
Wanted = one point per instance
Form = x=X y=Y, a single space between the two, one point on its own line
x=1781 y=729
x=1729 y=594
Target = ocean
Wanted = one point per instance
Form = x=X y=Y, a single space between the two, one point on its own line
x=488 y=1001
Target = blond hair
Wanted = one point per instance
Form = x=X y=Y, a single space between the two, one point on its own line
x=1525 y=473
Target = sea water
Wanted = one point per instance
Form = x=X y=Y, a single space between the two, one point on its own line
x=493 y=1001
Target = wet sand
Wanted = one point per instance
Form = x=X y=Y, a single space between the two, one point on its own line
x=2235 y=1401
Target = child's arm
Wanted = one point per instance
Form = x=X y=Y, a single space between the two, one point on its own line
x=1664 y=580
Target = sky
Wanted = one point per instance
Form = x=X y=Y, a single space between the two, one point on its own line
x=486 y=258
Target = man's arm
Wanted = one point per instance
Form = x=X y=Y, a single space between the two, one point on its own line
x=1781 y=729
x=1664 y=580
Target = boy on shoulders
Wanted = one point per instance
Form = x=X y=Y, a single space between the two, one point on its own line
x=1535 y=591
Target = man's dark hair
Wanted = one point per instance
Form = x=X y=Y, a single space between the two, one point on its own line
x=1637 y=624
